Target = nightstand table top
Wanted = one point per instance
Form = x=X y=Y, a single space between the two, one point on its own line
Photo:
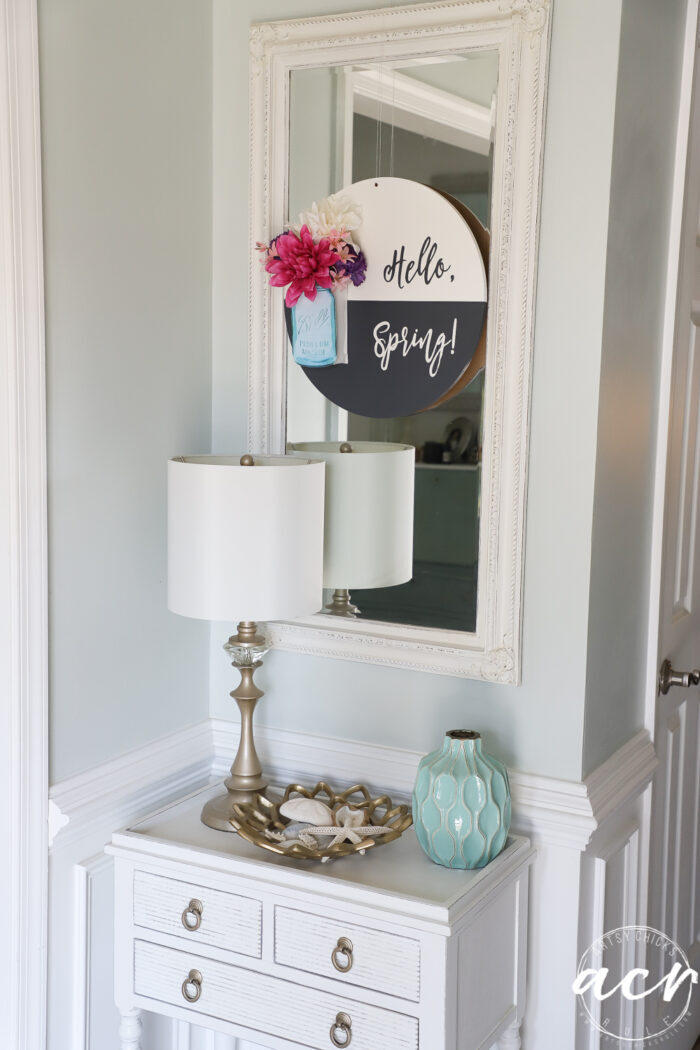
x=398 y=873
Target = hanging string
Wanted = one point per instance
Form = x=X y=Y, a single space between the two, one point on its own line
x=393 y=112
x=380 y=116
x=393 y=122
x=384 y=70
x=393 y=3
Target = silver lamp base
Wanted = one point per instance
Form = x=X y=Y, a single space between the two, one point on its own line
x=246 y=780
x=340 y=604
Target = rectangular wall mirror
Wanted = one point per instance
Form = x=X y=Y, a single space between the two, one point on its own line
x=430 y=120
x=451 y=96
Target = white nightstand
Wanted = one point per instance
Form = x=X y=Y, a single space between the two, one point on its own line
x=383 y=952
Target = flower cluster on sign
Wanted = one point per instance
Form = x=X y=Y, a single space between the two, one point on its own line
x=316 y=260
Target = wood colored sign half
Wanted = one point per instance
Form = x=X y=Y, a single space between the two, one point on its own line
x=478 y=361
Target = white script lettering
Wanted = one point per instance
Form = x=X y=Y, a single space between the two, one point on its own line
x=386 y=342
x=595 y=979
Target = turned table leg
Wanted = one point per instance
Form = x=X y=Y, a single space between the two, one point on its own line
x=510 y=1039
x=130 y=1030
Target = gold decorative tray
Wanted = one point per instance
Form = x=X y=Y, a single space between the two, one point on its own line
x=261 y=822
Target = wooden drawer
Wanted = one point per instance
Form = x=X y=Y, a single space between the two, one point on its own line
x=387 y=962
x=266 y=1004
x=226 y=920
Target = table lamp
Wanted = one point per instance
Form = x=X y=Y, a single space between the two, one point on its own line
x=368 y=537
x=245 y=542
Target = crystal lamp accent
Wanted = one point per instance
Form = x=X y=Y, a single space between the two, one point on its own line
x=246 y=650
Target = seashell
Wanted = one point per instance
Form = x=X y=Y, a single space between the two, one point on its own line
x=300 y=836
x=292 y=831
x=307 y=810
x=345 y=817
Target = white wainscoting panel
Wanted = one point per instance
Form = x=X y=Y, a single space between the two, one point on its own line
x=589 y=836
x=93 y=1000
x=614 y=894
x=85 y=810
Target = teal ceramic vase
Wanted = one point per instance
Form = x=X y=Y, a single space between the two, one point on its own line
x=461 y=803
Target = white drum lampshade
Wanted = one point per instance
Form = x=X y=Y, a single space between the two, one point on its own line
x=369 y=512
x=245 y=542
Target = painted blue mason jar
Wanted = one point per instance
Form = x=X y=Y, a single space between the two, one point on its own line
x=313 y=330
x=461 y=803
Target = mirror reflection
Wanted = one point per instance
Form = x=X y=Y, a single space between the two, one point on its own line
x=432 y=121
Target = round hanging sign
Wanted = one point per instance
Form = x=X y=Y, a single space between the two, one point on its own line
x=414 y=324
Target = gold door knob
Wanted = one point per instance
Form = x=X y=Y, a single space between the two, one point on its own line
x=342 y=1024
x=341 y=956
x=192 y=915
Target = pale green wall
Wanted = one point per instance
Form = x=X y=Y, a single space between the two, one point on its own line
x=538 y=726
x=645 y=128
x=145 y=125
x=126 y=137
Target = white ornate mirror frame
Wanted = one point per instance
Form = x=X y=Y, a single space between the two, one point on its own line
x=519 y=31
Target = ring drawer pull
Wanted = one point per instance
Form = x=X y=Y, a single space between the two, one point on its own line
x=341 y=1024
x=342 y=951
x=194 y=980
x=192 y=915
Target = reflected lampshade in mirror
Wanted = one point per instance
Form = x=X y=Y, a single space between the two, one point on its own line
x=368 y=532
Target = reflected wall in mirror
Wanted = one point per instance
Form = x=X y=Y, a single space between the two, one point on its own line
x=450 y=95
x=430 y=120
